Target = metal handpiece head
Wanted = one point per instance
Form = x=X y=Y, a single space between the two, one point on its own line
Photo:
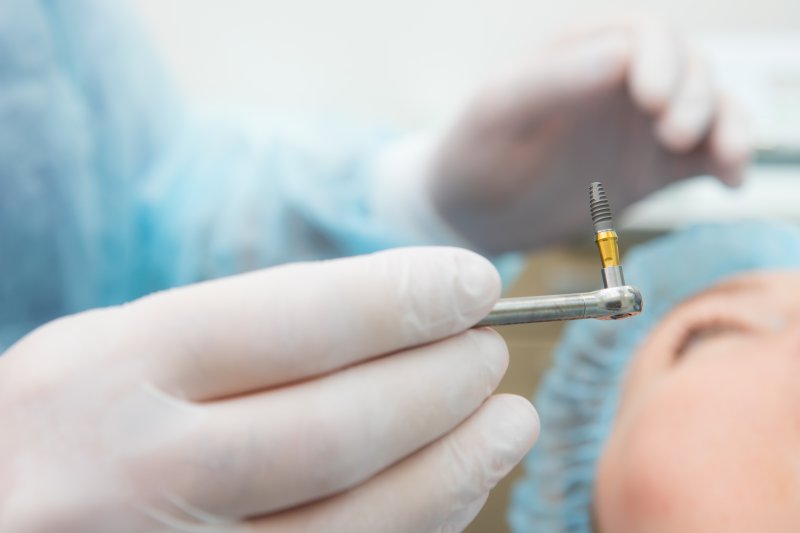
x=619 y=302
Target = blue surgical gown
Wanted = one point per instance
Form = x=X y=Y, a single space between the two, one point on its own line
x=109 y=191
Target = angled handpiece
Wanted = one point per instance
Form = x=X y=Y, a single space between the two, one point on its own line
x=615 y=300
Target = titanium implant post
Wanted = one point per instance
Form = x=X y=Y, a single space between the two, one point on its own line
x=605 y=236
x=599 y=208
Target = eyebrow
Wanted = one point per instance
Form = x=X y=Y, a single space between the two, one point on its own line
x=728 y=287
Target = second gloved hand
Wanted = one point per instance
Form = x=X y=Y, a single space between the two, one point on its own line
x=347 y=395
x=627 y=103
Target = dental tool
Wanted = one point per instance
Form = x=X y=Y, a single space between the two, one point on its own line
x=614 y=301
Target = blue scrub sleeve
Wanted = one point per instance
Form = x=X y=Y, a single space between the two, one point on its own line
x=109 y=190
x=84 y=115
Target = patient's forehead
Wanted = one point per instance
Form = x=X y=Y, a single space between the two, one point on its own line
x=780 y=284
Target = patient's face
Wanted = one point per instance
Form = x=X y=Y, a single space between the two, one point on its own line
x=707 y=438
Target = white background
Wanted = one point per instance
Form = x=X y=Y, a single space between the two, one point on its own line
x=413 y=63
x=406 y=62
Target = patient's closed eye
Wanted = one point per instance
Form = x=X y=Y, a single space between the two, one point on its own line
x=695 y=336
x=703 y=331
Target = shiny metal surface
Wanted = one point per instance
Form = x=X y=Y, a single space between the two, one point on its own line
x=608 y=246
x=611 y=303
x=613 y=277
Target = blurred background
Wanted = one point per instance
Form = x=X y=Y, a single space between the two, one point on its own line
x=413 y=64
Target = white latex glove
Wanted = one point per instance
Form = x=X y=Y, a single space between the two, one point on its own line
x=335 y=396
x=628 y=103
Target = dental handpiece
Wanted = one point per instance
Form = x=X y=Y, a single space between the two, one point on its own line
x=614 y=301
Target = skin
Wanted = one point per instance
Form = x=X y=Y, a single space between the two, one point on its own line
x=708 y=433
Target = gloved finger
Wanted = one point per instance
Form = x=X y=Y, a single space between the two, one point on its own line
x=568 y=74
x=440 y=488
x=279 y=325
x=327 y=435
x=657 y=65
x=593 y=26
x=656 y=62
x=596 y=56
x=689 y=114
x=731 y=142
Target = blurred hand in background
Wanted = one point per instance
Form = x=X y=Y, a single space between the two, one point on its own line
x=627 y=102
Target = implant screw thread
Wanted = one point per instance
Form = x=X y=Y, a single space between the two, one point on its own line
x=604 y=235
x=599 y=208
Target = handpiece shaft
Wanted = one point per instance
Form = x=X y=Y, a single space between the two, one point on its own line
x=610 y=303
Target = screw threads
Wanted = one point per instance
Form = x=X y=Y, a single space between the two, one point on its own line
x=598 y=205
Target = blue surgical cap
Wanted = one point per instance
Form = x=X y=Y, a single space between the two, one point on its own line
x=579 y=395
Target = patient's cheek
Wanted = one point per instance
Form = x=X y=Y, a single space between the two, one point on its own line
x=694 y=458
x=636 y=490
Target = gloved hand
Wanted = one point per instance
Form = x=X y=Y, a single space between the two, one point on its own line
x=627 y=103
x=335 y=396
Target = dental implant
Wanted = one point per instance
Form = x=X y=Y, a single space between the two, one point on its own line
x=605 y=236
x=613 y=302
